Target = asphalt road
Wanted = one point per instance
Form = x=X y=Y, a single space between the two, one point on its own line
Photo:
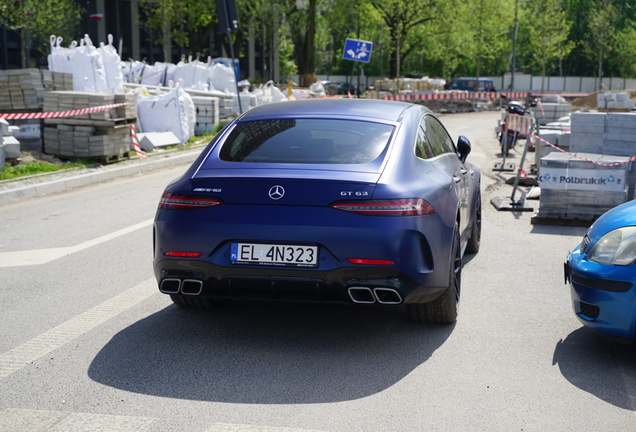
x=88 y=343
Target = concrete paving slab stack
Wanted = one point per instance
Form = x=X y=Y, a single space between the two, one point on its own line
x=22 y=91
x=551 y=112
x=207 y=114
x=594 y=177
x=104 y=134
x=575 y=188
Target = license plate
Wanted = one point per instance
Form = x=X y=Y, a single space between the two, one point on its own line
x=274 y=255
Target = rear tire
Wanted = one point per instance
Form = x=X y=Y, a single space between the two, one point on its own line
x=190 y=302
x=444 y=308
x=505 y=144
x=474 y=242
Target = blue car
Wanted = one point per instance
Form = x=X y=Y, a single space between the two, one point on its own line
x=602 y=274
x=323 y=200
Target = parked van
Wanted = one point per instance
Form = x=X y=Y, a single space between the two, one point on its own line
x=471 y=84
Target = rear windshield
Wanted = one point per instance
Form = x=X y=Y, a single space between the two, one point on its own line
x=306 y=141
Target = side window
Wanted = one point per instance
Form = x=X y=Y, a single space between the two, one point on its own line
x=438 y=136
x=423 y=148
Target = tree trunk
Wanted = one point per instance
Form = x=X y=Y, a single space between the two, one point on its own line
x=167 y=41
x=304 y=41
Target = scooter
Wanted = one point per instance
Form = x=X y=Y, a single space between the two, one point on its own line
x=508 y=138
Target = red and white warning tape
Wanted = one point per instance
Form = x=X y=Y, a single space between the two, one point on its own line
x=631 y=159
x=134 y=144
x=455 y=95
x=56 y=114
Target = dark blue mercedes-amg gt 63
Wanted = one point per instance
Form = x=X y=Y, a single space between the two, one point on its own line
x=323 y=200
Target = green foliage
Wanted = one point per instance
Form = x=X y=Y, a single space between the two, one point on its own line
x=33 y=20
x=548 y=30
x=39 y=167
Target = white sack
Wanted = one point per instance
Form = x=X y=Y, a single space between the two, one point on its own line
x=167 y=112
x=222 y=78
x=112 y=67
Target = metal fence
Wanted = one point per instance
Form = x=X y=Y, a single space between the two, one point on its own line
x=528 y=83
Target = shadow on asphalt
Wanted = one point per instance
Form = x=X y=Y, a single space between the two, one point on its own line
x=267 y=353
x=598 y=366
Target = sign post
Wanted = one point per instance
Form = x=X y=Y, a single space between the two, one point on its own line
x=357 y=51
x=228 y=22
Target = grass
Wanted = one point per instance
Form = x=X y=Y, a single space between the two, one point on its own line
x=37 y=167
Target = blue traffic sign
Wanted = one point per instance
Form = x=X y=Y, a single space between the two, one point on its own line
x=357 y=50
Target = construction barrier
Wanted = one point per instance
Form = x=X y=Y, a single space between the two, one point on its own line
x=519 y=123
x=134 y=143
x=455 y=95
x=534 y=136
x=56 y=114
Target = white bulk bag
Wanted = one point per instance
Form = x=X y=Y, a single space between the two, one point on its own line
x=222 y=78
x=83 y=62
x=167 y=112
x=193 y=73
x=112 y=67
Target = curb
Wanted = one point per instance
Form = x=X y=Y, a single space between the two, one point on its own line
x=130 y=168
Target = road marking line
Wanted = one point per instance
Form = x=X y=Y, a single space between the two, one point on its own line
x=27 y=353
x=14 y=419
x=43 y=256
x=227 y=427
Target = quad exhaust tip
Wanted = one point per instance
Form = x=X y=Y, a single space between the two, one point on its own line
x=367 y=295
x=361 y=295
x=170 y=286
x=186 y=287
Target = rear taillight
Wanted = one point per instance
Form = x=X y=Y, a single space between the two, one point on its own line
x=183 y=254
x=396 y=207
x=370 y=261
x=170 y=201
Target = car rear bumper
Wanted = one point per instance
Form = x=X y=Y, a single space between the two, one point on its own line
x=341 y=285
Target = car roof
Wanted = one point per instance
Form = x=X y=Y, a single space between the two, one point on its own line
x=369 y=109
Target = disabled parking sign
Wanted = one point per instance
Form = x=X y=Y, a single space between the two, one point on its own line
x=357 y=50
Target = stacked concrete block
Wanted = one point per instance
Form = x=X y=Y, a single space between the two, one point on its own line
x=588 y=132
x=551 y=112
x=614 y=101
x=620 y=134
x=24 y=89
x=207 y=114
x=9 y=145
x=102 y=134
x=609 y=133
x=72 y=141
x=557 y=137
x=226 y=107
x=29 y=134
x=582 y=187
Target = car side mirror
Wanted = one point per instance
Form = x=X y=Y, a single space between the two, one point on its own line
x=463 y=147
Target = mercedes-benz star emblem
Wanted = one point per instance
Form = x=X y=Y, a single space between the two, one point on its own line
x=276 y=192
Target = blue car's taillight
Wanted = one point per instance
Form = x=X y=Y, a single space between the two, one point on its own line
x=171 y=201
x=394 y=207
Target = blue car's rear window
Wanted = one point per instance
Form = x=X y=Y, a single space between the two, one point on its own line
x=306 y=141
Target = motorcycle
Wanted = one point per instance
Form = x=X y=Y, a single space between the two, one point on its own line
x=508 y=138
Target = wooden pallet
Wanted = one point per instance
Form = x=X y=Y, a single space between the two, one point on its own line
x=105 y=160
x=542 y=220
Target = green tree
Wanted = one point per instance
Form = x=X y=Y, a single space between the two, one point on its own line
x=301 y=19
x=602 y=24
x=400 y=18
x=548 y=31
x=625 y=50
x=444 y=38
x=181 y=22
x=489 y=23
x=32 y=19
